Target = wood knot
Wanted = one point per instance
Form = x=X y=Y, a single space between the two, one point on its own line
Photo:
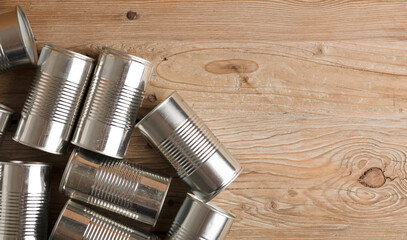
x=152 y=98
x=131 y=15
x=373 y=178
x=231 y=66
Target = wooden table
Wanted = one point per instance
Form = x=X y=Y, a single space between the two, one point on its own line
x=310 y=96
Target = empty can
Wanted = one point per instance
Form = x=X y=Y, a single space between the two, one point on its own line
x=24 y=195
x=198 y=220
x=192 y=149
x=17 y=44
x=53 y=102
x=116 y=185
x=5 y=117
x=77 y=222
x=111 y=107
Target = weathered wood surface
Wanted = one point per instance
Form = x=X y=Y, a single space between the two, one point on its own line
x=318 y=123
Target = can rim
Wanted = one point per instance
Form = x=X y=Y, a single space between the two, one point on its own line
x=226 y=184
x=24 y=163
x=211 y=207
x=61 y=214
x=69 y=52
x=173 y=95
x=67 y=170
x=5 y=109
x=126 y=55
x=162 y=203
x=26 y=33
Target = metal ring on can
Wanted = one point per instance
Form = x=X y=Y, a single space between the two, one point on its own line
x=52 y=105
x=116 y=185
x=17 y=43
x=198 y=220
x=192 y=149
x=24 y=196
x=77 y=222
x=111 y=107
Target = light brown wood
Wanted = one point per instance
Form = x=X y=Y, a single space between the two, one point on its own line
x=319 y=124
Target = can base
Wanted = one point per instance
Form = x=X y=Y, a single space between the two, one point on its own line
x=214 y=175
x=43 y=134
x=98 y=137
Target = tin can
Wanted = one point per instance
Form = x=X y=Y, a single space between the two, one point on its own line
x=17 y=44
x=5 y=117
x=77 y=222
x=116 y=185
x=198 y=220
x=24 y=196
x=52 y=105
x=111 y=107
x=192 y=149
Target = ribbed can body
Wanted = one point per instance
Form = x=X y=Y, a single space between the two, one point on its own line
x=192 y=149
x=5 y=117
x=77 y=222
x=52 y=105
x=116 y=185
x=198 y=220
x=111 y=107
x=24 y=194
x=17 y=44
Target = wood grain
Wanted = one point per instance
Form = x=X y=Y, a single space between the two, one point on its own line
x=318 y=123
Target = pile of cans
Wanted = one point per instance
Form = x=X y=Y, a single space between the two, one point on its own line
x=95 y=109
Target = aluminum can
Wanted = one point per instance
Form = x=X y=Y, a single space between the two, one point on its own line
x=50 y=111
x=117 y=185
x=192 y=149
x=111 y=106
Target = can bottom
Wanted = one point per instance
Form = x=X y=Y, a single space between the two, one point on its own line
x=218 y=172
x=43 y=134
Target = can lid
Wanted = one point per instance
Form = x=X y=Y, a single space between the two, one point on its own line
x=211 y=207
x=27 y=35
x=24 y=163
x=126 y=55
x=69 y=53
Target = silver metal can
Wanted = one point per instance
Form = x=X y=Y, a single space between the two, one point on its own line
x=5 y=117
x=198 y=220
x=53 y=102
x=77 y=222
x=111 y=107
x=17 y=44
x=116 y=185
x=24 y=196
x=192 y=149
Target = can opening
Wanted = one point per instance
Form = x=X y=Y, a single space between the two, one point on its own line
x=27 y=35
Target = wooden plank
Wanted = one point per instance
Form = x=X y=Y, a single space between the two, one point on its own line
x=319 y=126
x=82 y=22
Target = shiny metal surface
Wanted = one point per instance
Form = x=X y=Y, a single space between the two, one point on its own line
x=77 y=222
x=198 y=220
x=192 y=149
x=17 y=44
x=24 y=196
x=111 y=107
x=116 y=185
x=53 y=102
x=5 y=117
